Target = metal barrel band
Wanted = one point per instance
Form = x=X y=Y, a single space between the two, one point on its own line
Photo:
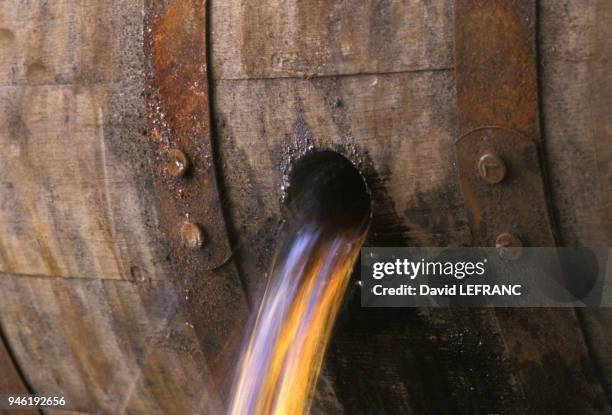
x=183 y=166
x=502 y=183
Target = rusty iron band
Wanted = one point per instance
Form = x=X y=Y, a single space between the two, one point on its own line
x=502 y=181
x=183 y=165
x=497 y=107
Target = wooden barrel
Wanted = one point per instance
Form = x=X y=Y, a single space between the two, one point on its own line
x=90 y=304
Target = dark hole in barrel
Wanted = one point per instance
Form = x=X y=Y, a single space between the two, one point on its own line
x=326 y=187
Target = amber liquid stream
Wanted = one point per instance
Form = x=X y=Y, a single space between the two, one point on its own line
x=282 y=358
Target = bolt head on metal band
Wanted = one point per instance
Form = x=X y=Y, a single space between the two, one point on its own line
x=491 y=168
x=177 y=163
x=192 y=236
x=509 y=245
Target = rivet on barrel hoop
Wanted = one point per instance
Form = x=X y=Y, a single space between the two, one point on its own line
x=510 y=246
x=192 y=236
x=491 y=168
x=177 y=163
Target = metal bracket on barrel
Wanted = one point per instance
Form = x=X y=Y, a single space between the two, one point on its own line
x=500 y=174
x=503 y=189
x=190 y=210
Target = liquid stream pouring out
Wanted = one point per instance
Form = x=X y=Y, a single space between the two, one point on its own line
x=327 y=220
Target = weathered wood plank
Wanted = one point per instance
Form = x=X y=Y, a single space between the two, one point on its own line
x=577 y=115
x=107 y=346
x=67 y=42
x=71 y=206
x=577 y=120
x=398 y=126
x=270 y=39
x=75 y=197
